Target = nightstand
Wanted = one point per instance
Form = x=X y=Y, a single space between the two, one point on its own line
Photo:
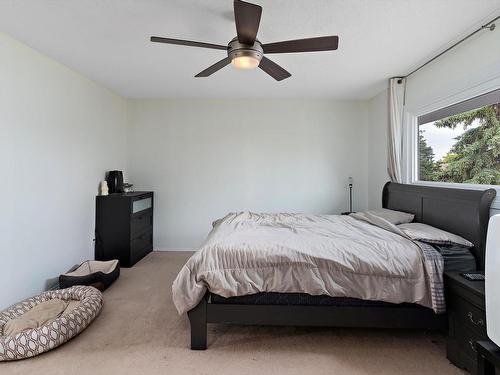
x=466 y=319
x=488 y=358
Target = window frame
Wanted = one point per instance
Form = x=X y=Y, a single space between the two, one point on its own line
x=411 y=163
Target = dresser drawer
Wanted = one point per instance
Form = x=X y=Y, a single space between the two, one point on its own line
x=141 y=246
x=456 y=354
x=140 y=224
x=141 y=241
x=467 y=339
x=469 y=314
x=142 y=203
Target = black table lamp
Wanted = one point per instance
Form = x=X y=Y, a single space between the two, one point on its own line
x=350 y=181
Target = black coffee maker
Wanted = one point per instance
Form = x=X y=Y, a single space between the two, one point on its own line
x=115 y=181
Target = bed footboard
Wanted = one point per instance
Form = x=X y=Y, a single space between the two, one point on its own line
x=198 y=320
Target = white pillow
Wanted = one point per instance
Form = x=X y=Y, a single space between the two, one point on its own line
x=430 y=234
x=394 y=217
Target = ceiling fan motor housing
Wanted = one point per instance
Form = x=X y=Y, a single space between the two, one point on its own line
x=237 y=49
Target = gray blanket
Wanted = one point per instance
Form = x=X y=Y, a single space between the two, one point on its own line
x=358 y=256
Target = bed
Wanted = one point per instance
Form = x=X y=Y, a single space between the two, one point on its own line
x=379 y=302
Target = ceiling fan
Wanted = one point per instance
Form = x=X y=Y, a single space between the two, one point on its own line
x=246 y=52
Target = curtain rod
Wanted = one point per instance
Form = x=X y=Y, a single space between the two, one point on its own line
x=489 y=25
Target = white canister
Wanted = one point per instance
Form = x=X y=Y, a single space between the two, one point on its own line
x=104 y=188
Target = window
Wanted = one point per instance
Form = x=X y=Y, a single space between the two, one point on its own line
x=461 y=143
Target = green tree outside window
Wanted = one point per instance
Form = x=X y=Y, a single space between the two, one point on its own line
x=475 y=156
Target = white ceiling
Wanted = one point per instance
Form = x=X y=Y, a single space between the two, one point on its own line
x=108 y=41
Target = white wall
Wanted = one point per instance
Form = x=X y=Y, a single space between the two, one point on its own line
x=59 y=132
x=206 y=158
x=378 y=120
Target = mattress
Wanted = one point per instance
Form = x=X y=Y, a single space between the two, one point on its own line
x=300 y=299
x=456 y=259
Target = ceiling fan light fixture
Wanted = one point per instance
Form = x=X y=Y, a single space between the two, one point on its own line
x=245 y=62
x=244 y=56
x=245 y=51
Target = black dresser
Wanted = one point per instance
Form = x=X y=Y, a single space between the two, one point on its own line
x=124 y=227
x=465 y=302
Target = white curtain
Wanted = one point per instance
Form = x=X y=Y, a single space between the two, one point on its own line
x=396 y=104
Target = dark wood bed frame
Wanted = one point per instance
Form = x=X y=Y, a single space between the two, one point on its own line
x=459 y=211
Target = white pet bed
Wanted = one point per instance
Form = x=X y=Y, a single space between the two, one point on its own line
x=55 y=332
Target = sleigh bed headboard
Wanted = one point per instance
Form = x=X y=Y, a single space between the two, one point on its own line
x=460 y=211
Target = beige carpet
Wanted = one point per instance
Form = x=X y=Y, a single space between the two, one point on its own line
x=140 y=332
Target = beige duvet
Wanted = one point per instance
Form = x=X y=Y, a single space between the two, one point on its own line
x=339 y=256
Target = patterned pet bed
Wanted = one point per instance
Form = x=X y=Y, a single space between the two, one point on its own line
x=55 y=332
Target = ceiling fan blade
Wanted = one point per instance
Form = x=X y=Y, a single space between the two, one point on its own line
x=322 y=43
x=247 y=17
x=273 y=69
x=189 y=43
x=212 y=69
